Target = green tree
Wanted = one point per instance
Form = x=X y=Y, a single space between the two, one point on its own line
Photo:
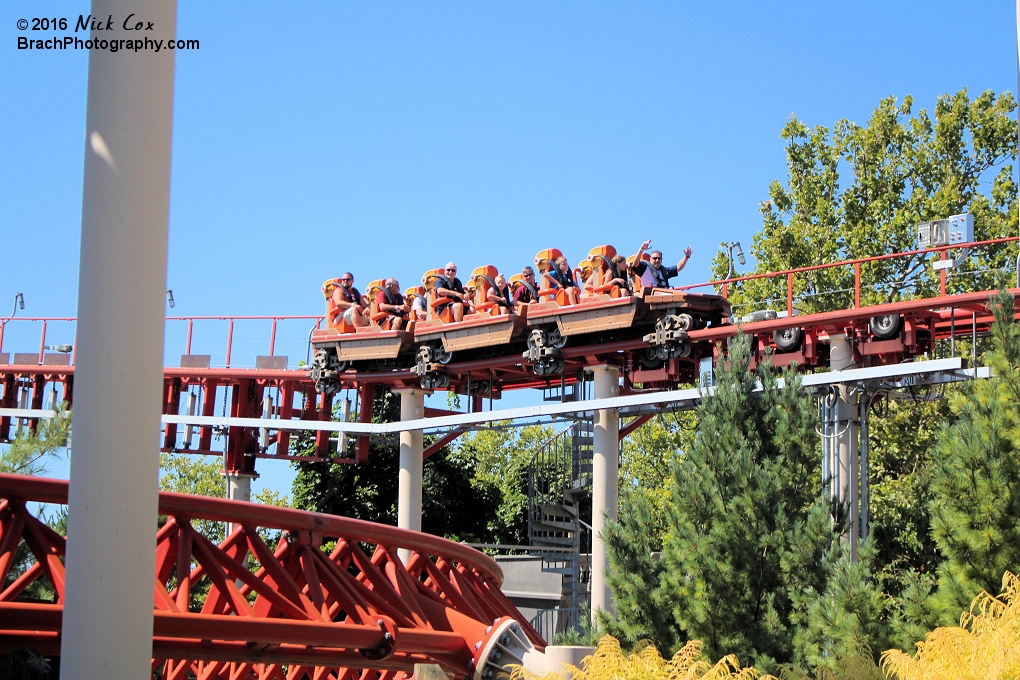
x=900 y=169
x=30 y=452
x=849 y=620
x=453 y=504
x=501 y=458
x=747 y=527
x=976 y=478
x=197 y=475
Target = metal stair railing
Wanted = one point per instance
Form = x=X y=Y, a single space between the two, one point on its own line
x=561 y=470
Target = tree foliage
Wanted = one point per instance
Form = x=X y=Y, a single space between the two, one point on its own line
x=985 y=645
x=197 y=475
x=859 y=190
x=976 y=478
x=747 y=526
x=453 y=505
x=30 y=452
x=501 y=458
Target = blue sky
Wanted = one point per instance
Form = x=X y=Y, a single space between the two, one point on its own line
x=386 y=138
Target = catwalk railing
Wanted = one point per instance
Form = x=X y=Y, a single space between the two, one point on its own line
x=333 y=597
x=797 y=284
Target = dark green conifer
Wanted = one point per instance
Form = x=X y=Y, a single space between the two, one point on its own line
x=976 y=480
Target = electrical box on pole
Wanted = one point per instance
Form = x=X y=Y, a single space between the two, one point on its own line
x=956 y=230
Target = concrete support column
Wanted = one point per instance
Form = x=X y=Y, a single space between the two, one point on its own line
x=605 y=479
x=846 y=429
x=409 y=479
x=238 y=489
x=107 y=621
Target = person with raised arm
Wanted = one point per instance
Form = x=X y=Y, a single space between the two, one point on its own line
x=652 y=273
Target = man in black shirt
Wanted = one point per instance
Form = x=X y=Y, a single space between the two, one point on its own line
x=449 y=288
x=653 y=274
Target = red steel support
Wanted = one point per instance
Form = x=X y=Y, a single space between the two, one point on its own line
x=38 y=390
x=230 y=340
x=437 y=445
x=171 y=404
x=857 y=285
x=322 y=436
x=240 y=440
x=42 y=342
x=942 y=275
x=635 y=424
x=9 y=400
x=208 y=409
x=272 y=339
x=358 y=608
x=789 y=294
x=366 y=398
x=286 y=413
x=191 y=325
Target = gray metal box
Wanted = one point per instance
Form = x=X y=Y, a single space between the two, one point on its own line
x=195 y=360
x=273 y=363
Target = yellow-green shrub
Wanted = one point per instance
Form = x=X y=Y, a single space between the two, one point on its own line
x=610 y=662
x=985 y=646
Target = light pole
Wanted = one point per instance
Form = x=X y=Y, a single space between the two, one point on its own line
x=730 y=246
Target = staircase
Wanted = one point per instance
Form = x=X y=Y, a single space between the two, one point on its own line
x=559 y=479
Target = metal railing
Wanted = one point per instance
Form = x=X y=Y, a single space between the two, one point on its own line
x=227 y=341
x=791 y=275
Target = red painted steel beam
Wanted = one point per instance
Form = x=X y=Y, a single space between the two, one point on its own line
x=437 y=445
x=635 y=424
x=222 y=510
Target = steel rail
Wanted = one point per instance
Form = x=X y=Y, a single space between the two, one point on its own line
x=44 y=490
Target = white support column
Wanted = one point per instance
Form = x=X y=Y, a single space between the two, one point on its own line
x=605 y=479
x=238 y=489
x=409 y=480
x=846 y=429
x=107 y=621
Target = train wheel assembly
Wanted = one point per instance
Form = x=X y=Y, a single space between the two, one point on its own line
x=788 y=339
x=886 y=326
x=426 y=363
x=549 y=366
x=326 y=370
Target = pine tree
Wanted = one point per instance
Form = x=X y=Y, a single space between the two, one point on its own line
x=976 y=481
x=634 y=573
x=748 y=528
x=849 y=621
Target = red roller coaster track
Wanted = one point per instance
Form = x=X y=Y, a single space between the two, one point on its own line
x=358 y=611
x=245 y=392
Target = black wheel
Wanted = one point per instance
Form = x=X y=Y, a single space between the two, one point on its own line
x=886 y=326
x=788 y=339
x=684 y=322
x=441 y=356
x=555 y=340
x=650 y=359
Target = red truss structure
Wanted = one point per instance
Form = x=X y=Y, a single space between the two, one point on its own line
x=911 y=329
x=244 y=610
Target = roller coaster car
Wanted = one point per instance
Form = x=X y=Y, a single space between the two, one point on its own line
x=340 y=343
x=484 y=324
x=611 y=307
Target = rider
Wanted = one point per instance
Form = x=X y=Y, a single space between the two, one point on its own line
x=562 y=276
x=527 y=291
x=349 y=299
x=501 y=295
x=653 y=274
x=390 y=300
x=617 y=275
x=450 y=288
